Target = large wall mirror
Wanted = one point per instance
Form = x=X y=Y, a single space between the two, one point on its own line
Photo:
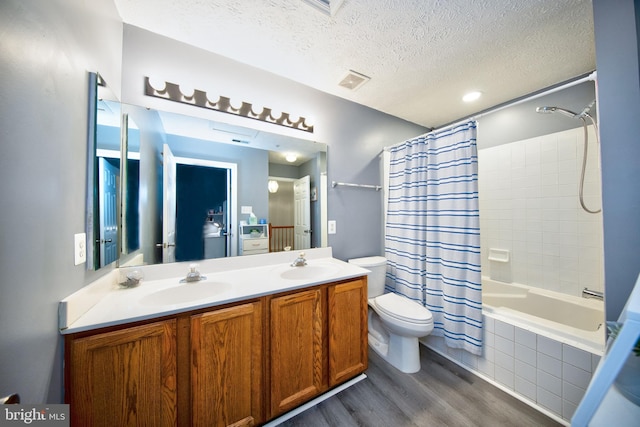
x=189 y=183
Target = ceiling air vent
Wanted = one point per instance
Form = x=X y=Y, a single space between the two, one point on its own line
x=328 y=7
x=353 y=80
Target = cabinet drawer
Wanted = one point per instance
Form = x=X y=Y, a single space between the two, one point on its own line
x=255 y=244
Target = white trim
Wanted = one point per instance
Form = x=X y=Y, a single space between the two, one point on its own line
x=233 y=206
x=324 y=216
x=300 y=409
x=281 y=178
x=115 y=154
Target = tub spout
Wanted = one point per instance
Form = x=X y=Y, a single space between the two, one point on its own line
x=588 y=293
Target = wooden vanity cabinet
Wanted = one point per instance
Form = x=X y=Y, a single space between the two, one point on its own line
x=234 y=365
x=203 y=369
x=125 y=377
x=226 y=366
x=347 y=330
x=297 y=352
x=318 y=339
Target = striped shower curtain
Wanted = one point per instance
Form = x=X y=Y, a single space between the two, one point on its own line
x=432 y=236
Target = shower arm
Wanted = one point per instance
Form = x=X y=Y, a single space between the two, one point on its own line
x=584 y=113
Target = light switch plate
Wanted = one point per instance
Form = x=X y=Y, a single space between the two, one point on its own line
x=331 y=227
x=246 y=209
x=80 y=248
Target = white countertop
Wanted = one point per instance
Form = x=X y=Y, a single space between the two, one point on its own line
x=116 y=306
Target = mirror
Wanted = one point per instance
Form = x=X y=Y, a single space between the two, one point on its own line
x=103 y=175
x=221 y=176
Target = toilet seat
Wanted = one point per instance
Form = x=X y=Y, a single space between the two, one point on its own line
x=402 y=308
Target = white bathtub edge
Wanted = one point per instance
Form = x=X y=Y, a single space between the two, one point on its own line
x=594 y=348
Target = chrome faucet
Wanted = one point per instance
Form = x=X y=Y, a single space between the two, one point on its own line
x=193 y=275
x=300 y=261
x=133 y=279
x=588 y=293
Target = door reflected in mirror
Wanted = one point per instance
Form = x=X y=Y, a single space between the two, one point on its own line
x=103 y=175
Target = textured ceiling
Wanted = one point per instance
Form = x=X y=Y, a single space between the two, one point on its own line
x=421 y=55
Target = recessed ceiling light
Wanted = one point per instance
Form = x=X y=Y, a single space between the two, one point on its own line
x=471 y=96
x=290 y=157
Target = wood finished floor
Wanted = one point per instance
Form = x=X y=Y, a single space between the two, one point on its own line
x=441 y=394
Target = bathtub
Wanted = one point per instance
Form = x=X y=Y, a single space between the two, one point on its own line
x=576 y=321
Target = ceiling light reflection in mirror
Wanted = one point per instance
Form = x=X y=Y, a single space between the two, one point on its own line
x=285 y=149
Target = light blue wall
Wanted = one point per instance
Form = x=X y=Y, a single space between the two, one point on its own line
x=521 y=121
x=47 y=48
x=617 y=60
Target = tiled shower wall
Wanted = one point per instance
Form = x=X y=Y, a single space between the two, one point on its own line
x=529 y=205
x=549 y=374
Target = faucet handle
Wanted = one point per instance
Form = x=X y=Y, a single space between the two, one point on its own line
x=193 y=275
x=300 y=261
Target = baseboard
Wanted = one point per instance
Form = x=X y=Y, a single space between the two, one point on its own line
x=310 y=404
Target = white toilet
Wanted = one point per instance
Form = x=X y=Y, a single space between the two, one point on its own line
x=395 y=322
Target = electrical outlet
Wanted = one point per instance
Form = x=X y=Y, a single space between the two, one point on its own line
x=331 y=227
x=246 y=209
x=80 y=248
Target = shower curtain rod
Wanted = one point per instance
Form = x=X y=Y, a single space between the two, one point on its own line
x=590 y=77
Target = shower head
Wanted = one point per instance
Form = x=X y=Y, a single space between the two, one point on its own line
x=549 y=110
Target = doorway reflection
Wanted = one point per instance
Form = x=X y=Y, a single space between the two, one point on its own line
x=201 y=223
x=281 y=218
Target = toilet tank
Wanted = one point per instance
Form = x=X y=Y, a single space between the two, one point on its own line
x=377 y=265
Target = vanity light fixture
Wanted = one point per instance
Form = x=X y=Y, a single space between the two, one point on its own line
x=199 y=98
x=273 y=186
x=471 y=96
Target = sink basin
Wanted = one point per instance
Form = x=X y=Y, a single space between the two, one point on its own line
x=309 y=272
x=185 y=293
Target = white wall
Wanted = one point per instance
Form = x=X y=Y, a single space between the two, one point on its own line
x=47 y=48
x=529 y=205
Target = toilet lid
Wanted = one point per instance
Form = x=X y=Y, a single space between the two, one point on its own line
x=403 y=308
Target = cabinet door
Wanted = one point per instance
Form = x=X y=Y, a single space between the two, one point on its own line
x=347 y=308
x=124 y=378
x=297 y=350
x=226 y=366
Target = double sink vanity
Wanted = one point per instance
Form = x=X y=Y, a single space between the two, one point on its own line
x=254 y=339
